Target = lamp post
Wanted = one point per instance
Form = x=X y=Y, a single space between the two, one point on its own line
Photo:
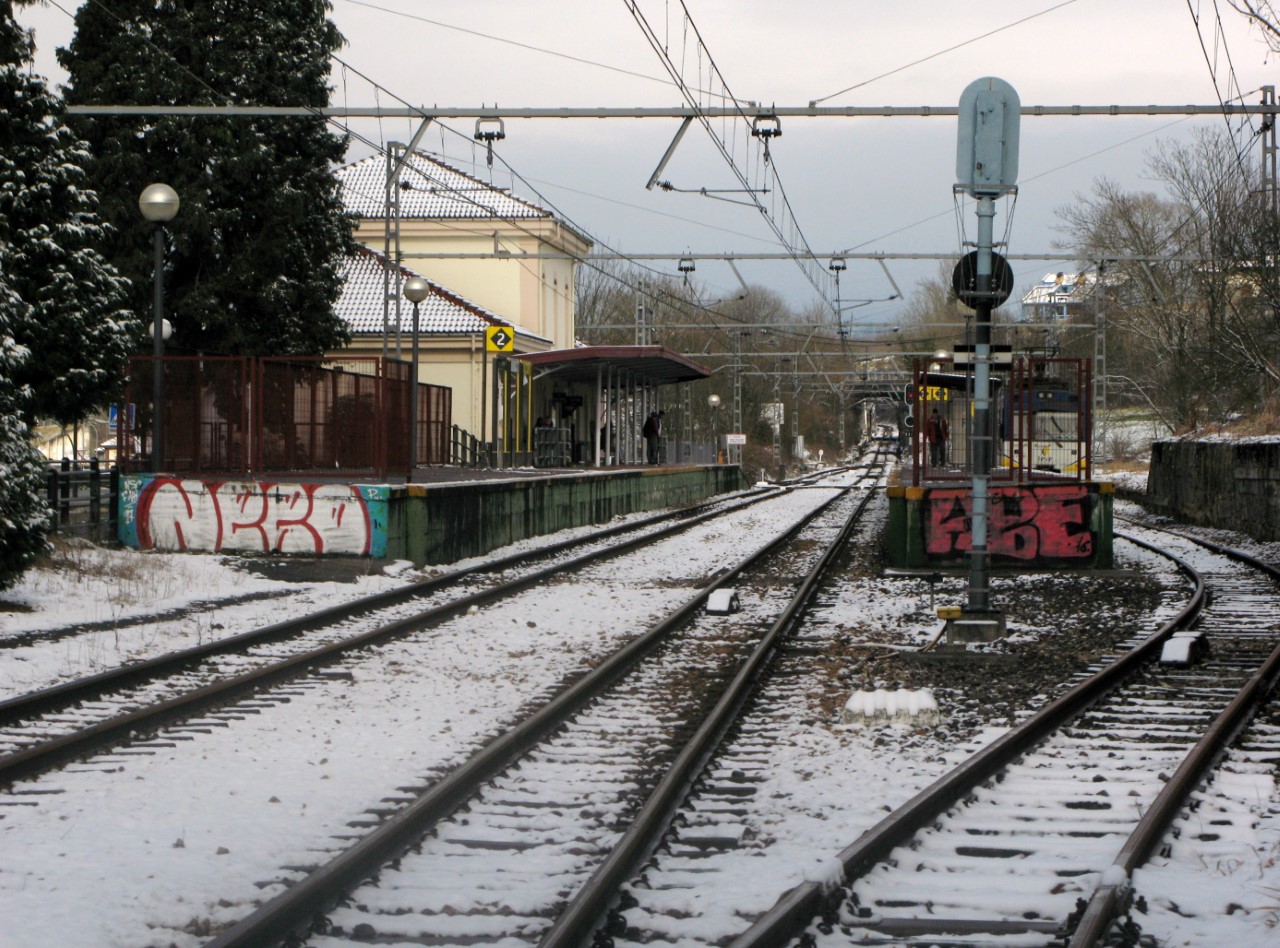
x=158 y=204
x=713 y=402
x=415 y=291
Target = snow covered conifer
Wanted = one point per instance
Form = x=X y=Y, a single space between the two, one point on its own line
x=24 y=515
x=75 y=323
x=255 y=253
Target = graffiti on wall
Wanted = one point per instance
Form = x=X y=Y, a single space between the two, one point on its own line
x=167 y=513
x=1024 y=523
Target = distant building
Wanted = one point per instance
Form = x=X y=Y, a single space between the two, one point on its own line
x=1059 y=297
x=521 y=257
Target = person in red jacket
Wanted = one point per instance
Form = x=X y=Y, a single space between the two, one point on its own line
x=936 y=434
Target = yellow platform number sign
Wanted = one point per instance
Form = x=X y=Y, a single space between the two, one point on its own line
x=500 y=339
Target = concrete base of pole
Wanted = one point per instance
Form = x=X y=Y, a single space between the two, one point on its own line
x=965 y=625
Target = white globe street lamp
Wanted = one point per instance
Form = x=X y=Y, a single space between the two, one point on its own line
x=158 y=204
x=713 y=402
x=416 y=290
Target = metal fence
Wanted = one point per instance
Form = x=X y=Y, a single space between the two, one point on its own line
x=83 y=498
x=1040 y=419
x=298 y=415
x=468 y=450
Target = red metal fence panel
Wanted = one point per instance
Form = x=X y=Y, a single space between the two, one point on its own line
x=435 y=419
x=319 y=416
x=302 y=415
x=205 y=414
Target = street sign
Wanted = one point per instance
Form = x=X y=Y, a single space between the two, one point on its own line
x=113 y=416
x=499 y=339
x=927 y=393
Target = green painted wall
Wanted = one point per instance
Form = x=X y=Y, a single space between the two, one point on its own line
x=1030 y=526
x=442 y=523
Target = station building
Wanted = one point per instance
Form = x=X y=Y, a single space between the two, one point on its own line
x=493 y=259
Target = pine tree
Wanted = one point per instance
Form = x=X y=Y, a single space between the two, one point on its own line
x=24 y=515
x=75 y=325
x=253 y=265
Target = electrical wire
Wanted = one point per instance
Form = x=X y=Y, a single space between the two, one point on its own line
x=800 y=250
x=510 y=42
x=1232 y=81
x=550 y=205
x=943 y=52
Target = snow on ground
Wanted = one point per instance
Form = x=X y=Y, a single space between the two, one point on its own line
x=174 y=841
x=113 y=606
x=154 y=848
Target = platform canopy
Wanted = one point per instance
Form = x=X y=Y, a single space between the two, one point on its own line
x=654 y=365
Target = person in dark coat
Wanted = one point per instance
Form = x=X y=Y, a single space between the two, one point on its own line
x=651 y=430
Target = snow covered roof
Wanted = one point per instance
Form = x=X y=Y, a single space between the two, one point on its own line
x=1057 y=288
x=430 y=190
x=442 y=312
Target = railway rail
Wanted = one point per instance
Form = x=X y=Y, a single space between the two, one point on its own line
x=530 y=839
x=43 y=728
x=636 y=782
x=1037 y=837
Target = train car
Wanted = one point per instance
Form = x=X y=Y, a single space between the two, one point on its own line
x=1047 y=423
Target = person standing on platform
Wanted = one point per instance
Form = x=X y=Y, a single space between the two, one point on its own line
x=652 y=428
x=935 y=433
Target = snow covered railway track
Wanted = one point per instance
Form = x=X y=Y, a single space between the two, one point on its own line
x=536 y=853
x=724 y=828
x=1036 y=837
x=45 y=728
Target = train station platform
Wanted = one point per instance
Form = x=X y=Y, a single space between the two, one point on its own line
x=446 y=514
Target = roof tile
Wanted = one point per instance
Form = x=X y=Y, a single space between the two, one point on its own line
x=430 y=190
x=442 y=312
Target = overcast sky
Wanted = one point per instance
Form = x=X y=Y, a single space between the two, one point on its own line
x=864 y=184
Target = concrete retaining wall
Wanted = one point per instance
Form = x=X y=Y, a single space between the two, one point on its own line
x=444 y=523
x=1231 y=485
x=437 y=523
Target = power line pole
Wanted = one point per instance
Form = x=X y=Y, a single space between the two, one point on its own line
x=1269 y=184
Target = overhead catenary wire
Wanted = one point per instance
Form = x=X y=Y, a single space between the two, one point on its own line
x=657 y=295
x=569 y=57
x=377 y=147
x=515 y=176
x=734 y=126
x=1232 y=81
x=797 y=243
x=943 y=52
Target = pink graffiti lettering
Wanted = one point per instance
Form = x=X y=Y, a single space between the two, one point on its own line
x=1064 y=522
x=1024 y=523
x=242 y=495
x=303 y=521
